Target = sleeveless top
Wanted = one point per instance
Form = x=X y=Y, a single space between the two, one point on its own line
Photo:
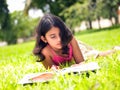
x=57 y=59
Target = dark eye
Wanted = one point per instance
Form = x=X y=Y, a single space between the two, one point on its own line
x=53 y=36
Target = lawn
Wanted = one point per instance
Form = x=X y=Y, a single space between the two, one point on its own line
x=17 y=60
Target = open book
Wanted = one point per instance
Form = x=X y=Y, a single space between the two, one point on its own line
x=46 y=76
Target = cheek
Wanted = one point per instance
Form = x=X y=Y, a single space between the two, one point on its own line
x=50 y=41
x=51 y=44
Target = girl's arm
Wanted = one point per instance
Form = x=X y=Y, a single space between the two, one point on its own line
x=48 y=63
x=78 y=57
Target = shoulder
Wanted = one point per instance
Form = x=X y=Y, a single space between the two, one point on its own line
x=46 y=51
x=73 y=41
x=74 y=44
x=47 y=62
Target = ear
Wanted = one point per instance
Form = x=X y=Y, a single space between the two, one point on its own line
x=43 y=39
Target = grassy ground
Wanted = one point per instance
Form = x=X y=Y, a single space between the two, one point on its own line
x=17 y=60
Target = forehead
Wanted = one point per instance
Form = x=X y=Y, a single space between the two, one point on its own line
x=53 y=30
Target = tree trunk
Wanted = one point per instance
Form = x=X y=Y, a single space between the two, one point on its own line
x=116 y=20
x=90 y=23
x=98 y=18
x=111 y=21
x=86 y=24
x=27 y=6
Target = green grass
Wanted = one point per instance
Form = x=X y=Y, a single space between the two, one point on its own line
x=17 y=60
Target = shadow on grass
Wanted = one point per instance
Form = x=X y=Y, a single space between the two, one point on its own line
x=88 y=31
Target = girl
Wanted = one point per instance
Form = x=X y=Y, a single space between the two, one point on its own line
x=56 y=45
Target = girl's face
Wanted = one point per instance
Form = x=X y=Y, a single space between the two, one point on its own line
x=52 y=37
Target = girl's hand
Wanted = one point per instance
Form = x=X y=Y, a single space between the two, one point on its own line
x=74 y=65
x=54 y=67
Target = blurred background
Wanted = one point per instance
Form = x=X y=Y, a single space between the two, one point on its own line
x=19 y=18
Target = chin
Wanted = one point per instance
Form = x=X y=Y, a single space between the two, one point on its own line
x=59 y=47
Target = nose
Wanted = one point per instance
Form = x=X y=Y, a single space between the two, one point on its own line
x=59 y=39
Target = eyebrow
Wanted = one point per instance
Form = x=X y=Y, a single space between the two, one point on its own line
x=51 y=34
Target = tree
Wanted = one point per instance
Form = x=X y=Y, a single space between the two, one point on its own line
x=23 y=25
x=4 y=14
x=75 y=11
x=111 y=7
x=14 y=25
x=5 y=25
x=78 y=12
x=52 y=6
x=74 y=15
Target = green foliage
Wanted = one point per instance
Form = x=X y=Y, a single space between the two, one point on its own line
x=23 y=26
x=90 y=10
x=73 y=12
x=17 y=60
x=15 y=25
x=4 y=15
x=110 y=6
x=54 y=6
x=5 y=25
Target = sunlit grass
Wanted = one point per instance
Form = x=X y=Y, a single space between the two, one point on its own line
x=17 y=60
x=101 y=40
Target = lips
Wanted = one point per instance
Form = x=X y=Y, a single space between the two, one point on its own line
x=59 y=44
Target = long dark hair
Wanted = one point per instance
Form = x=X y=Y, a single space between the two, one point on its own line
x=45 y=24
